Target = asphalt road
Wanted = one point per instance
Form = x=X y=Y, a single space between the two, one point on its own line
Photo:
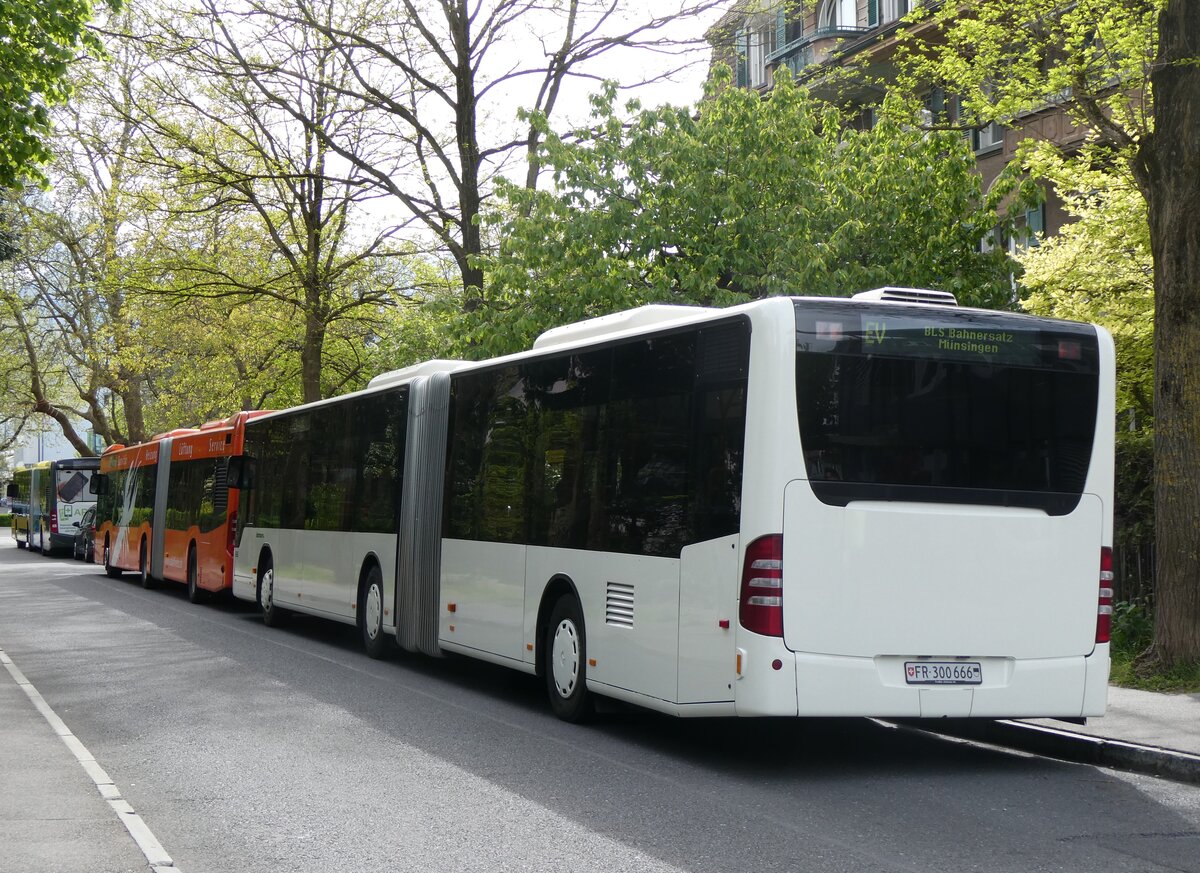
x=247 y=748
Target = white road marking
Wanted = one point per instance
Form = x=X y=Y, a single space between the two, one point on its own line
x=160 y=861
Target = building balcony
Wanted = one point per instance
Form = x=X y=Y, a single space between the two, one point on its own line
x=798 y=54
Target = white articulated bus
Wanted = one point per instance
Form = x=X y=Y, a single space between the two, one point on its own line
x=885 y=506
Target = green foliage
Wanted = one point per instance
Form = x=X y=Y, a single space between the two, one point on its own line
x=6 y=520
x=1179 y=679
x=1099 y=269
x=1132 y=635
x=1004 y=58
x=756 y=197
x=38 y=40
x=1132 y=627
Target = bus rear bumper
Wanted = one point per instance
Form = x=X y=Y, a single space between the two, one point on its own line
x=831 y=685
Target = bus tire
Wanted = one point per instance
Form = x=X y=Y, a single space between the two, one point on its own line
x=272 y=614
x=21 y=544
x=144 y=567
x=370 y=615
x=194 y=594
x=109 y=570
x=566 y=662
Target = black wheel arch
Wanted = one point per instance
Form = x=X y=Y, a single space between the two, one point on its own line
x=559 y=586
x=369 y=562
x=265 y=558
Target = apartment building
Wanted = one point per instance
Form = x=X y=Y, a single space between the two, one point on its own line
x=756 y=38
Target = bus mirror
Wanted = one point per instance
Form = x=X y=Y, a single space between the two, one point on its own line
x=241 y=472
x=98 y=484
x=11 y=490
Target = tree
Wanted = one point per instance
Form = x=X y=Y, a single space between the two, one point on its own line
x=1099 y=269
x=1130 y=71
x=66 y=286
x=755 y=197
x=97 y=338
x=442 y=80
x=38 y=40
x=240 y=154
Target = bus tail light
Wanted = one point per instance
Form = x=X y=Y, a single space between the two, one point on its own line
x=1105 y=605
x=54 y=521
x=761 y=608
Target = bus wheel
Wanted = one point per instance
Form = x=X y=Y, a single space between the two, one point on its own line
x=109 y=570
x=272 y=614
x=566 y=662
x=370 y=615
x=21 y=544
x=144 y=568
x=195 y=595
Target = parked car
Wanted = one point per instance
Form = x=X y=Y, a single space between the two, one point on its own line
x=84 y=548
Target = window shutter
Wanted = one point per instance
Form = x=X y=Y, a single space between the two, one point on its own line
x=781 y=26
x=1035 y=221
x=742 y=47
x=936 y=104
x=872 y=13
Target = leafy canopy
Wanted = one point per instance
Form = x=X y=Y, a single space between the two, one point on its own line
x=755 y=197
x=38 y=40
x=1098 y=268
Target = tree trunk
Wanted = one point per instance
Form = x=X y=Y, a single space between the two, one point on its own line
x=1169 y=172
x=466 y=134
x=311 y=354
x=131 y=402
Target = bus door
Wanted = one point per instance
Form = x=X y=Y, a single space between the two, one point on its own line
x=212 y=559
x=73 y=498
x=158 y=517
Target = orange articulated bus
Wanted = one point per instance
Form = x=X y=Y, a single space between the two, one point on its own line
x=166 y=510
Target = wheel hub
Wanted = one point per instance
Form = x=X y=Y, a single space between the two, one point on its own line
x=564 y=657
x=374 y=611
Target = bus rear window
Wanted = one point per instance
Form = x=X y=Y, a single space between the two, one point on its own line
x=945 y=406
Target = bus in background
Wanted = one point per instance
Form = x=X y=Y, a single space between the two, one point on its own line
x=59 y=495
x=18 y=493
x=879 y=506
x=166 y=511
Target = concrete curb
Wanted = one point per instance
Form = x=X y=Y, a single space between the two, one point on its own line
x=1070 y=746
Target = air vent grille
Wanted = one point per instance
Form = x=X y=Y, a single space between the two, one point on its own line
x=908 y=295
x=618 y=605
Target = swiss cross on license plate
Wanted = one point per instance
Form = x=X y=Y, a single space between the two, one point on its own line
x=943 y=672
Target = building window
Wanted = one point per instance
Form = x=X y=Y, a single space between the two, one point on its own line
x=987 y=138
x=885 y=11
x=940 y=107
x=837 y=15
x=864 y=120
x=755 y=43
x=1029 y=230
x=789 y=23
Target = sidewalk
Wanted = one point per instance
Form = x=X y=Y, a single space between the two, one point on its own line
x=1143 y=731
x=1168 y=721
x=52 y=817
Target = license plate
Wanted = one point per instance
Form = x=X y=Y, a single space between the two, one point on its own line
x=943 y=673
